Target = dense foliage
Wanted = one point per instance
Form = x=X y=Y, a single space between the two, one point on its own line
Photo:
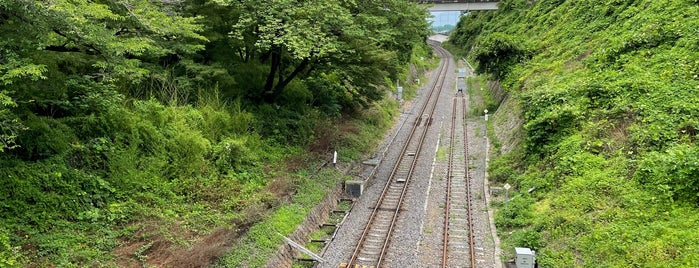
x=127 y=123
x=610 y=97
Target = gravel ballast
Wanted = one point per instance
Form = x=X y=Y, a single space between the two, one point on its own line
x=416 y=229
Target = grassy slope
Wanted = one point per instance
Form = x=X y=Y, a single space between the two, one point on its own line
x=611 y=107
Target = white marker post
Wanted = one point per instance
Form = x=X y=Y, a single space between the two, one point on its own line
x=399 y=90
x=485 y=132
x=335 y=159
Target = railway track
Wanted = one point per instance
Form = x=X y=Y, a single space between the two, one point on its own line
x=373 y=243
x=458 y=243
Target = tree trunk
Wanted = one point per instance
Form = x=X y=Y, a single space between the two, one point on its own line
x=283 y=83
x=273 y=67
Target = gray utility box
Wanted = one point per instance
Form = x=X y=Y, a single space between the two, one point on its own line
x=462 y=72
x=354 y=188
x=524 y=258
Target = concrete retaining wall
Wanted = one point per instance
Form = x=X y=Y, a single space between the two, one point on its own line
x=317 y=216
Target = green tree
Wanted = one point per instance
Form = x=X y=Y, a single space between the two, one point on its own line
x=290 y=36
x=296 y=39
x=53 y=55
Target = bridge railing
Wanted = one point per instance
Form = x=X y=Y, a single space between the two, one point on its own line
x=459 y=5
x=455 y=1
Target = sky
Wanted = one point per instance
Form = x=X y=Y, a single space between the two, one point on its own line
x=444 y=18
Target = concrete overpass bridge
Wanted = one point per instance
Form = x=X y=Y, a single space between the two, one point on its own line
x=459 y=5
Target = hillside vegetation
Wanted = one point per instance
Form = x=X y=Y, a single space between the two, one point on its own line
x=610 y=97
x=158 y=133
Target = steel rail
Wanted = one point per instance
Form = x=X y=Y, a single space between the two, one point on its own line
x=437 y=87
x=447 y=206
x=468 y=193
x=452 y=196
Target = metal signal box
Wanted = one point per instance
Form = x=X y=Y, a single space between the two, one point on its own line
x=462 y=72
x=524 y=258
x=354 y=188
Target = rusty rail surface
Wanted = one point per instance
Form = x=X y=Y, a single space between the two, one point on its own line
x=457 y=226
x=373 y=243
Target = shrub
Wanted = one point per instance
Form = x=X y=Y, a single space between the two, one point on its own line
x=10 y=256
x=527 y=238
x=516 y=213
x=285 y=125
x=673 y=174
x=495 y=53
x=44 y=138
x=235 y=154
